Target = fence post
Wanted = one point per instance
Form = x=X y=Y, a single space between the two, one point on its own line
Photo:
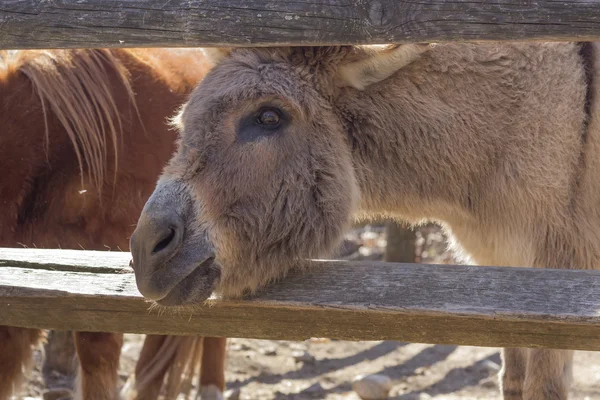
x=400 y=243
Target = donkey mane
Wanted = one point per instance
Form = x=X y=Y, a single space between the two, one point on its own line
x=74 y=85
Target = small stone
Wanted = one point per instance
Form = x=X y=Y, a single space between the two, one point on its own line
x=365 y=251
x=239 y=347
x=232 y=394
x=369 y=235
x=403 y=388
x=347 y=248
x=303 y=356
x=298 y=346
x=372 y=387
x=490 y=366
x=269 y=351
x=491 y=382
x=314 y=388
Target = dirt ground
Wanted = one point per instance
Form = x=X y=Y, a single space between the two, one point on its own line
x=265 y=369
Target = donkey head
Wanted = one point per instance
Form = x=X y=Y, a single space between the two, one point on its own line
x=263 y=177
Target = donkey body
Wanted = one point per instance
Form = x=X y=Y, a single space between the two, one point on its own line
x=281 y=147
x=78 y=165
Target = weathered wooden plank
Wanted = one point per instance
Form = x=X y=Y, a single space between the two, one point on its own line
x=485 y=306
x=148 y=23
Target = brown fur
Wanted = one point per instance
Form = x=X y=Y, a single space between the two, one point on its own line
x=98 y=355
x=16 y=351
x=171 y=356
x=178 y=359
x=214 y=362
x=487 y=139
x=79 y=165
x=63 y=83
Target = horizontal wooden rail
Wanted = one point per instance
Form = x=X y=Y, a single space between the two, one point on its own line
x=191 y=23
x=484 y=306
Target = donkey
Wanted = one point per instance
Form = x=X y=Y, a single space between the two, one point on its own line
x=280 y=147
x=78 y=165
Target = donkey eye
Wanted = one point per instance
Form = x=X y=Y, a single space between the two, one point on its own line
x=268 y=118
x=265 y=122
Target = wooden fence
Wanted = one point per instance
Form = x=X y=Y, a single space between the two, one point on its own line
x=486 y=306
x=142 y=23
x=490 y=306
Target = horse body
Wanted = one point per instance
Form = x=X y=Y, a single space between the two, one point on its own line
x=100 y=214
x=78 y=164
x=281 y=147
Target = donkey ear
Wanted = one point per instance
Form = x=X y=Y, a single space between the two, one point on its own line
x=216 y=54
x=379 y=64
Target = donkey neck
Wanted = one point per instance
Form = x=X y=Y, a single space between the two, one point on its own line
x=469 y=131
x=411 y=151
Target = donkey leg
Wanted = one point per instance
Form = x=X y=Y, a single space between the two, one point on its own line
x=548 y=375
x=16 y=350
x=512 y=375
x=212 y=375
x=99 y=354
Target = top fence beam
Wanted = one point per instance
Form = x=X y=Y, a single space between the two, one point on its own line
x=26 y=24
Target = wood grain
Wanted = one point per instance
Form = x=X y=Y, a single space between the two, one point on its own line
x=468 y=305
x=191 y=23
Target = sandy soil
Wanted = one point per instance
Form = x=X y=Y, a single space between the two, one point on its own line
x=264 y=369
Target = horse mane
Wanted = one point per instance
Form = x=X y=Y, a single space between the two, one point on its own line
x=77 y=86
x=74 y=85
x=180 y=68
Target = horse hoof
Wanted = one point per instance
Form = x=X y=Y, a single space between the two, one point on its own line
x=58 y=394
x=210 y=392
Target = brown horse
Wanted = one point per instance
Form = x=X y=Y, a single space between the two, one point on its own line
x=280 y=147
x=78 y=166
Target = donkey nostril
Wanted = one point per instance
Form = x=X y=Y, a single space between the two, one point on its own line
x=164 y=242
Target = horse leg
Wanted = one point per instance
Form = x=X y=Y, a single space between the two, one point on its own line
x=99 y=354
x=548 y=374
x=176 y=358
x=16 y=350
x=212 y=374
x=512 y=375
x=149 y=375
